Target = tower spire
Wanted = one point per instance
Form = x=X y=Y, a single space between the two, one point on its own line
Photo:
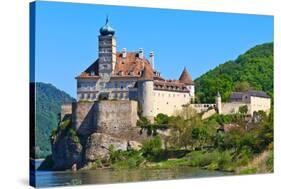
x=106 y=21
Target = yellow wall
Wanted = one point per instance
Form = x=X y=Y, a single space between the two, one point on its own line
x=258 y=103
x=168 y=102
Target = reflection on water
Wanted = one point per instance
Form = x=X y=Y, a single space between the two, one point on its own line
x=103 y=176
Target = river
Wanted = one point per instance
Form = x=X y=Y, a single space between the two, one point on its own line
x=105 y=176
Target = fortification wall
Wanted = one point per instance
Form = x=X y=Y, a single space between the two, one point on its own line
x=115 y=117
x=169 y=102
x=66 y=110
x=232 y=108
x=203 y=107
x=82 y=117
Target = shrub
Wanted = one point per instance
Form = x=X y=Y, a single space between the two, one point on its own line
x=152 y=149
x=210 y=159
x=162 y=119
x=270 y=162
x=73 y=135
x=125 y=159
x=225 y=160
x=248 y=171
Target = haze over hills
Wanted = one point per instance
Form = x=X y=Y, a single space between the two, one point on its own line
x=251 y=70
x=48 y=102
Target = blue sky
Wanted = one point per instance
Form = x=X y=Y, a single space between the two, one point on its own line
x=67 y=36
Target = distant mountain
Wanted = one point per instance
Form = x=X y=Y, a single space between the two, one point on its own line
x=48 y=102
x=251 y=70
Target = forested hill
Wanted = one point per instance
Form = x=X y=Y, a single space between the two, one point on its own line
x=251 y=70
x=48 y=102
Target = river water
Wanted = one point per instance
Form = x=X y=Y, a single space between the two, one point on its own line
x=105 y=176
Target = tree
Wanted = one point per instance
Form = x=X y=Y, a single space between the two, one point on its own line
x=242 y=86
x=251 y=70
x=182 y=127
x=161 y=119
x=243 y=109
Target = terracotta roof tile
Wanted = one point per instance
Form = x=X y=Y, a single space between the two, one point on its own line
x=185 y=77
x=147 y=73
x=132 y=65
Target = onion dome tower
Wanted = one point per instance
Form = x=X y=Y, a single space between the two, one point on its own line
x=107 y=29
x=107 y=51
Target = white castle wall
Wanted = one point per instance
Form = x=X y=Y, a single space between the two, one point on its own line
x=88 y=89
x=258 y=103
x=146 y=98
x=168 y=102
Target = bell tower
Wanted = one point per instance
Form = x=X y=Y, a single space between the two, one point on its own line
x=107 y=51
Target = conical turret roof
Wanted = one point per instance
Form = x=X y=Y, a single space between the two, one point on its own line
x=185 y=77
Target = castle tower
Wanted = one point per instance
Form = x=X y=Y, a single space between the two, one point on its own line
x=218 y=103
x=107 y=51
x=187 y=80
x=145 y=93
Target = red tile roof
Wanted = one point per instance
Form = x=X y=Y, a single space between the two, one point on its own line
x=134 y=67
x=185 y=77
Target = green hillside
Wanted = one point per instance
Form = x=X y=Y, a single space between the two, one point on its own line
x=251 y=70
x=48 y=101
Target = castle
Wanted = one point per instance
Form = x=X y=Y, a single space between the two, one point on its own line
x=131 y=76
x=115 y=89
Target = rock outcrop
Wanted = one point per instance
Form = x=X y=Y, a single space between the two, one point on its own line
x=66 y=152
x=99 y=144
x=99 y=126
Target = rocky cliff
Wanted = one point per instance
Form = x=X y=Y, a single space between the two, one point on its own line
x=92 y=129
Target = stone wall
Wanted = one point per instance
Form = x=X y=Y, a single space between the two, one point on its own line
x=82 y=117
x=117 y=118
x=66 y=110
x=232 y=108
x=203 y=107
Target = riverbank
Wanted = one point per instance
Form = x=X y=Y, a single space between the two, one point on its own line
x=227 y=161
